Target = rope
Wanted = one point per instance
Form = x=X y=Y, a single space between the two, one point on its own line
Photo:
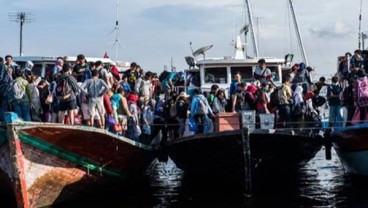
x=225 y=123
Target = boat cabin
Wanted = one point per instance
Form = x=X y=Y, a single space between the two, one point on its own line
x=220 y=71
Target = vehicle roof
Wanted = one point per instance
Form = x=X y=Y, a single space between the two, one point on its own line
x=53 y=59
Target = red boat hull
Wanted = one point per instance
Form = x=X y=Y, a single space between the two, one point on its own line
x=50 y=164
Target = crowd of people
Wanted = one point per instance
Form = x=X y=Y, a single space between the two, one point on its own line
x=140 y=105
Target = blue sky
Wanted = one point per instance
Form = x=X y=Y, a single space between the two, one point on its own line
x=153 y=32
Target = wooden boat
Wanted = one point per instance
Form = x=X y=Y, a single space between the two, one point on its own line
x=47 y=164
x=219 y=156
x=351 y=146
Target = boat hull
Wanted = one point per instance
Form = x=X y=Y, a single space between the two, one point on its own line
x=220 y=157
x=52 y=164
x=351 y=146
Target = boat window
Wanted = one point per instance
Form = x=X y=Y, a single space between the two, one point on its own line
x=215 y=75
x=245 y=72
x=275 y=73
x=37 y=70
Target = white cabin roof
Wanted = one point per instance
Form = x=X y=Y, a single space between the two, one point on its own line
x=233 y=61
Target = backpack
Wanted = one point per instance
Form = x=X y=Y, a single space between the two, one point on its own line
x=17 y=92
x=297 y=110
x=333 y=90
x=319 y=100
x=63 y=89
x=4 y=75
x=347 y=95
x=103 y=75
x=275 y=97
x=362 y=90
x=362 y=87
x=202 y=107
x=163 y=76
x=299 y=76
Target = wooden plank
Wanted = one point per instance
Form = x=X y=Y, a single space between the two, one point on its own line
x=19 y=182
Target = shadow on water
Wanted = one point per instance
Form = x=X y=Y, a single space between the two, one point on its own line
x=319 y=184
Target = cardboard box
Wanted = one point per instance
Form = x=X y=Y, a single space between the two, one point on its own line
x=227 y=122
x=249 y=119
x=267 y=120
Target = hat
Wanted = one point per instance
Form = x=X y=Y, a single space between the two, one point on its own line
x=132 y=97
x=29 y=64
x=184 y=95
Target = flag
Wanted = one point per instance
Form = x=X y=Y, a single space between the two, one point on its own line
x=105 y=55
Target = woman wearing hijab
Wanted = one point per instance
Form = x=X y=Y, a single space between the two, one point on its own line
x=250 y=98
x=298 y=107
x=219 y=103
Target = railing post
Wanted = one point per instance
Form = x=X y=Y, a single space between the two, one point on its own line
x=247 y=163
x=248 y=123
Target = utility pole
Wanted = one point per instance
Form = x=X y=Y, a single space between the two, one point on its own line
x=21 y=17
x=116 y=30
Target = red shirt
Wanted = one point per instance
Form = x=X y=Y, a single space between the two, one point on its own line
x=308 y=95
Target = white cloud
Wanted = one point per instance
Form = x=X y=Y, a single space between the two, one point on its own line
x=152 y=32
x=335 y=30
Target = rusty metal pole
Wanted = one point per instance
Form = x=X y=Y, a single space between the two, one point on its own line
x=247 y=162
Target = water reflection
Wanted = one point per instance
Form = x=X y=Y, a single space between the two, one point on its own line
x=321 y=183
x=166 y=182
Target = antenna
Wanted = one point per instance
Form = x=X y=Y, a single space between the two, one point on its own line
x=245 y=30
x=116 y=30
x=191 y=48
x=173 y=68
x=364 y=36
x=360 y=25
x=21 y=17
x=202 y=50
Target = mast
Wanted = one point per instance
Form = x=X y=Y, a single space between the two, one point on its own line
x=254 y=38
x=301 y=45
x=360 y=26
x=117 y=30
